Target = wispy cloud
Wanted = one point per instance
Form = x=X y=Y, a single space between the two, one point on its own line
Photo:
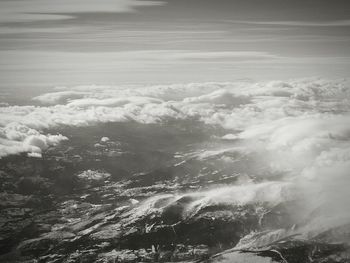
x=334 y=23
x=134 y=56
x=236 y=55
x=36 y=10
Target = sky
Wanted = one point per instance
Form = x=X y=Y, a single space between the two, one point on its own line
x=47 y=43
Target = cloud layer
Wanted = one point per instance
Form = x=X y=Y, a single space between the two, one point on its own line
x=299 y=129
x=298 y=115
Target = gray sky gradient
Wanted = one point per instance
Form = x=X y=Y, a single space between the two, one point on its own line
x=45 y=43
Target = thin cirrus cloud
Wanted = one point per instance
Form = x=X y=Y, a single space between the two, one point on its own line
x=169 y=55
x=36 y=10
x=237 y=55
x=102 y=67
x=137 y=55
x=334 y=23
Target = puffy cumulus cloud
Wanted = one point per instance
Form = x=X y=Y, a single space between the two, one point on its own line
x=112 y=102
x=43 y=141
x=17 y=138
x=59 y=97
x=33 y=145
x=220 y=97
x=105 y=139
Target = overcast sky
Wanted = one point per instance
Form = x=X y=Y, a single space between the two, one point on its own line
x=68 y=42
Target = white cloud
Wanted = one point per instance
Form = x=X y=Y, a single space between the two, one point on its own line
x=267 y=192
x=281 y=113
x=59 y=97
x=105 y=139
x=18 y=138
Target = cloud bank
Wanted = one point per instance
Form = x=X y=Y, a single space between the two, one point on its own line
x=298 y=115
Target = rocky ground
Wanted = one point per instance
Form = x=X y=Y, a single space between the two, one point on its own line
x=136 y=196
